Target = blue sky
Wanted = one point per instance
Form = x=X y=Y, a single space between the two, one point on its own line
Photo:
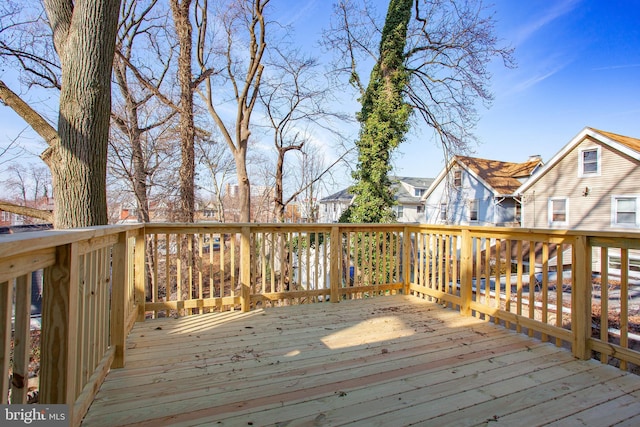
x=578 y=65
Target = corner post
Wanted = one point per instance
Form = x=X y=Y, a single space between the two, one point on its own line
x=466 y=272
x=334 y=262
x=60 y=329
x=245 y=269
x=119 y=286
x=581 y=299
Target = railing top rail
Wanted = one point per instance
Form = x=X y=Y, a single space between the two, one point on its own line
x=15 y=244
x=200 y=227
x=524 y=232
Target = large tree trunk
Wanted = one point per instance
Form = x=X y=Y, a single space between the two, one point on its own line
x=279 y=196
x=384 y=120
x=84 y=36
x=244 y=187
x=186 y=126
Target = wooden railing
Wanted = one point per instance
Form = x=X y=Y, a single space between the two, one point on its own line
x=570 y=287
x=199 y=268
x=573 y=288
x=88 y=308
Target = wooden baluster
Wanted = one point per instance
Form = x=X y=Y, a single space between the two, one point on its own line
x=245 y=269
x=6 y=307
x=604 y=300
x=22 y=340
x=624 y=303
x=334 y=265
x=466 y=273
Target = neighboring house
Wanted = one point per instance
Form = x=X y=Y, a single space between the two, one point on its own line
x=7 y=219
x=408 y=192
x=592 y=183
x=159 y=211
x=474 y=191
x=331 y=207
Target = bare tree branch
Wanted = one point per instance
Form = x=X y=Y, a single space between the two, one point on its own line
x=35 y=120
x=26 y=211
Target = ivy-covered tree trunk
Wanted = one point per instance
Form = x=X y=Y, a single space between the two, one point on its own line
x=84 y=35
x=186 y=124
x=384 y=121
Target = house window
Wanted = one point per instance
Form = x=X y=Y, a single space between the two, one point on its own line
x=518 y=212
x=473 y=210
x=457 y=178
x=624 y=211
x=418 y=192
x=558 y=211
x=589 y=162
x=399 y=211
x=443 y=212
x=420 y=209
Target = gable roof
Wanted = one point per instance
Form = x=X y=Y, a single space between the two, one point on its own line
x=401 y=193
x=340 y=196
x=501 y=177
x=624 y=144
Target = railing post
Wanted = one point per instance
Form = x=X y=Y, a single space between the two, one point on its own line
x=581 y=299
x=140 y=277
x=334 y=262
x=60 y=329
x=406 y=260
x=245 y=269
x=466 y=273
x=119 y=286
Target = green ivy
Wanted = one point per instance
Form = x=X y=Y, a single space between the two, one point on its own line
x=384 y=119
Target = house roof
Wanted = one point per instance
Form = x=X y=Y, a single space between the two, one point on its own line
x=502 y=177
x=340 y=196
x=624 y=144
x=401 y=193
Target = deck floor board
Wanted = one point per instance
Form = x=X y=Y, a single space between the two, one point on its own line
x=388 y=361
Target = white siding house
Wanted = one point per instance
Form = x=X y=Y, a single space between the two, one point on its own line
x=474 y=191
x=592 y=183
x=408 y=193
x=331 y=207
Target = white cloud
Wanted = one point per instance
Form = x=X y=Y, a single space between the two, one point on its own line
x=558 y=9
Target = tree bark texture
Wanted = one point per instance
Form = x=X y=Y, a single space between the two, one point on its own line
x=184 y=29
x=84 y=37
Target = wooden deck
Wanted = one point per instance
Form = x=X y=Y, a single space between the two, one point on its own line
x=388 y=361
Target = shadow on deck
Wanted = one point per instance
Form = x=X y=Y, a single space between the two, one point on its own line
x=386 y=361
